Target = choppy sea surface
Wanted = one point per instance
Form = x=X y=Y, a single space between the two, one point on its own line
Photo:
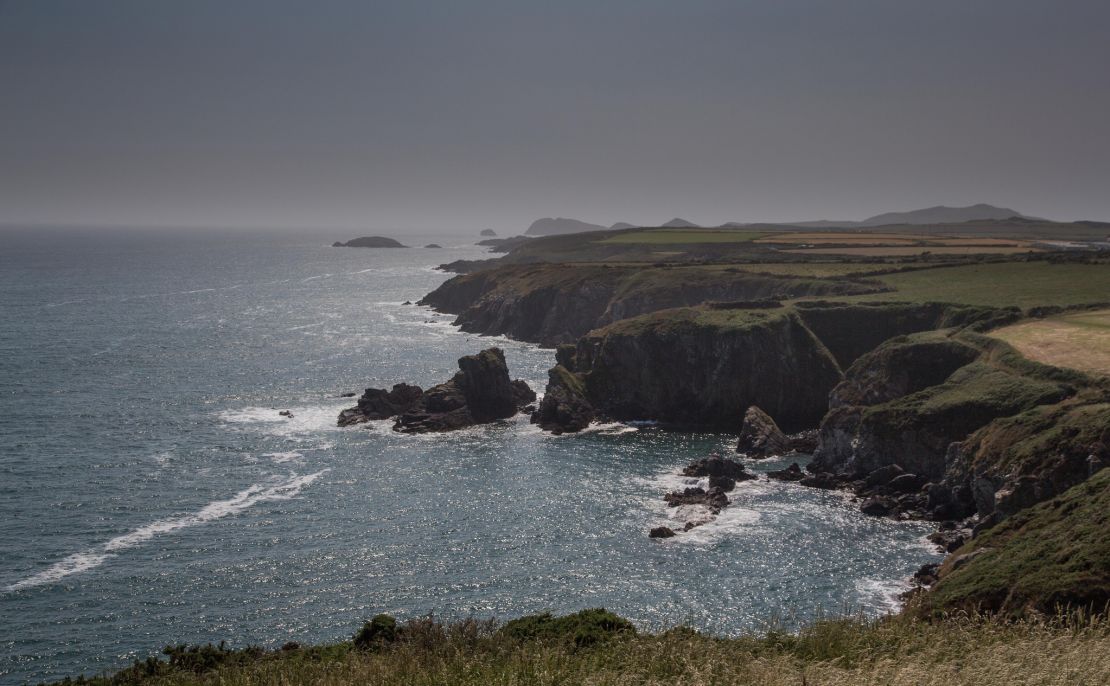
x=150 y=493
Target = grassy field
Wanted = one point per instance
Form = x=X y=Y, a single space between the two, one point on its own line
x=1021 y=284
x=908 y=250
x=680 y=236
x=1077 y=341
x=549 y=652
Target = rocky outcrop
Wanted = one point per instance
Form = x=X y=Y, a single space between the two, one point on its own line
x=564 y=408
x=914 y=428
x=760 y=436
x=369 y=242
x=378 y=403
x=558 y=303
x=479 y=393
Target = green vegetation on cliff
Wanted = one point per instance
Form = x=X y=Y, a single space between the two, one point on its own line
x=1054 y=554
x=596 y=647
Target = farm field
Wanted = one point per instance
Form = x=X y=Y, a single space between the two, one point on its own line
x=1020 y=284
x=1077 y=341
x=906 y=250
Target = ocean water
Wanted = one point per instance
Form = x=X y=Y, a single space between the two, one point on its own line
x=150 y=493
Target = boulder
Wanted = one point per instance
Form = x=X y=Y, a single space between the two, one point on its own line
x=725 y=483
x=791 y=473
x=661 y=532
x=760 y=436
x=821 y=480
x=718 y=466
x=878 y=506
x=715 y=499
x=906 y=483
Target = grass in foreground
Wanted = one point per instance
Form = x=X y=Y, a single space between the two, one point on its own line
x=596 y=647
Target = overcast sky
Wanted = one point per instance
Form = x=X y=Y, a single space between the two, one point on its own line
x=466 y=115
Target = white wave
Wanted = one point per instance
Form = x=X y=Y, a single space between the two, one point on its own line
x=883 y=592
x=306 y=326
x=306 y=419
x=283 y=457
x=313 y=278
x=84 y=561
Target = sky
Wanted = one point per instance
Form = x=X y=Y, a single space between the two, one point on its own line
x=458 y=116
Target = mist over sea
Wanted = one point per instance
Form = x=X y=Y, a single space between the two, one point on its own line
x=150 y=493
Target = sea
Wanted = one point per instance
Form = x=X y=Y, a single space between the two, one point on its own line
x=152 y=494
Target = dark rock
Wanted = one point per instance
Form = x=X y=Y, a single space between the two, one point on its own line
x=348 y=394
x=661 y=532
x=523 y=396
x=804 y=441
x=883 y=475
x=407 y=302
x=369 y=242
x=906 y=483
x=286 y=413
x=479 y=393
x=950 y=540
x=564 y=408
x=791 y=473
x=378 y=403
x=878 y=506
x=927 y=575
x=760 y=436
x=433 y=245
x=821 y=480
x=487 y=232
x=715 y=465
x=528 y=409
x=725 y=483
x=715 y=499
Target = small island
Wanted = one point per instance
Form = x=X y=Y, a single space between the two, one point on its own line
x=433 y=245
x=488 y=232
x=369 y=242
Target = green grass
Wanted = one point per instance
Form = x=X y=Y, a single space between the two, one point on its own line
x=679 y=236
x=1057 y=552
x=1021 y=284
x=539 y=651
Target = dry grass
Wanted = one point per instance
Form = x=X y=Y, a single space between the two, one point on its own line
x=850 y=652
x=1076 y=341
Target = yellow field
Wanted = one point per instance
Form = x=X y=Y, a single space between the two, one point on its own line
x=897 y=251
x=1077 y=341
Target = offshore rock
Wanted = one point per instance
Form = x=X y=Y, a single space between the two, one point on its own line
x=719 y=467
x=791 y=473
x=564 y=408
x=760 y=436
x=479 y=393
x=715 y=499
x=661 y=532
x=378 y=403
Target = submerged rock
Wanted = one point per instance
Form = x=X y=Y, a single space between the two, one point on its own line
x=480 y=392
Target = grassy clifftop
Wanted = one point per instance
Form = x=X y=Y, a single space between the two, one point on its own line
x=1055 y=553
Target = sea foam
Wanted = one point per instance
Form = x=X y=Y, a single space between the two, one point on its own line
x=90 y=559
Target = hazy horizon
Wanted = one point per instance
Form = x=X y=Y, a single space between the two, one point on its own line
x=414 y=117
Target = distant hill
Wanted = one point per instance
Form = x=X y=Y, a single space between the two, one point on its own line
x=560 y=225
x=943 y=215
x=622 y=225
x=369 y=242
x=680 y=223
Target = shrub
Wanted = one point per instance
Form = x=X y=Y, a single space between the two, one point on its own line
x=583 y=629
x=377 y=633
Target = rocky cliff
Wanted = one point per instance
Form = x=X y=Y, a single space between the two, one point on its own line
x=558 y=303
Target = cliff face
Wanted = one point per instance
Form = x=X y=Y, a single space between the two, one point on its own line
x=907 y=401
x=558 y=303
x=703 y=368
